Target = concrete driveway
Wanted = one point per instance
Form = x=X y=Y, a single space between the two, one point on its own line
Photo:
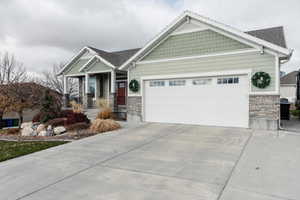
x=158 y=161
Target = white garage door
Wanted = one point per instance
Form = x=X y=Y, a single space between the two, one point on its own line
x=214 y=101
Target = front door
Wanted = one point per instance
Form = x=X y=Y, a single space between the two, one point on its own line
x=121 y=93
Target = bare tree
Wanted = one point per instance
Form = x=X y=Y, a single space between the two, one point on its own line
x=11 y=71
x=51 y=80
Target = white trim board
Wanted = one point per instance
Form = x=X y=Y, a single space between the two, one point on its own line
x=192 y=75
x=201 y=56
x=100 y=59
x=190 y=31
x=80 y=53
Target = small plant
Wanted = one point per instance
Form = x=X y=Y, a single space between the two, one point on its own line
x=295 y=113
x=106 y=111
x=100 y=125
x=105 y=114
x=76 y=107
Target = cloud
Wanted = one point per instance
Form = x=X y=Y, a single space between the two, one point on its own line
x=41 y=33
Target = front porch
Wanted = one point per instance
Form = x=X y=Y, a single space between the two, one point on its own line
x=93 y=86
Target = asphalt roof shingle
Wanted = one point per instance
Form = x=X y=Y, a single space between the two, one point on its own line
x=116 y=58
x=290 y=78
x=273 y=35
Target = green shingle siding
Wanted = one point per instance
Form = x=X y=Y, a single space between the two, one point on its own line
x=195 y=43
x=254 y=61
x=74 y=68
x=97 y=66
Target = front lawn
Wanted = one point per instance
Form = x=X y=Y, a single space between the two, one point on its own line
x=9 y=150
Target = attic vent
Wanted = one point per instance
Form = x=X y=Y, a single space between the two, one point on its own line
x=188 y=19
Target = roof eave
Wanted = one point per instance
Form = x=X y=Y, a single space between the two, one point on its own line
x=275 y=48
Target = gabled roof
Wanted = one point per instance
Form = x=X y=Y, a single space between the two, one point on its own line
x=116 y=58
x=262 y=38
x=290 y=78
x=274 y=35
x=112 y=59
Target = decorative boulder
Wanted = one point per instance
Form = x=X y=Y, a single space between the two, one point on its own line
x=26 y=125
x=43 y=133
x=28 y=131
x=40 y=128
x=50 y=131
x=59 y=130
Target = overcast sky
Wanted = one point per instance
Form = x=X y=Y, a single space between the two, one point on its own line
x=43 y=32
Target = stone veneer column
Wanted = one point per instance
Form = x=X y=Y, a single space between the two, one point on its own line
x=88 y=100
x=113 y=102
x=264 y=112
x=134 y=109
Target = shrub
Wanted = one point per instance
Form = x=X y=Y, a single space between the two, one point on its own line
x=64 y=118
x=100 y=125
x=56 y=122
x=73 y=118
x=76 y=107
x=65 y=113
x=106 y=113
x=77 y=126
x=36 y=117
x=50 y=107
x=43 y=117
x=295 y=113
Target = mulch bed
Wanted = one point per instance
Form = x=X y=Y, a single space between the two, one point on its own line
x=64 y=137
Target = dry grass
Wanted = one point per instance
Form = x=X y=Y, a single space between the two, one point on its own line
x=105 y=114
x=76 y=107
x=104 y=125
x=102 y=103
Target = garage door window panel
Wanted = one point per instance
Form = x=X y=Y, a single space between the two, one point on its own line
x=228 y=80
x=157 y=83
x=177 y=83
x=202 y=81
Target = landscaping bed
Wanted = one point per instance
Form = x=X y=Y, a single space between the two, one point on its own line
x=11 y=149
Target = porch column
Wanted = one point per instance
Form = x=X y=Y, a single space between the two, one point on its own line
x=113 y=82
x=80 y=89
x=66 y=95
x=112 y=96
x=88 y=100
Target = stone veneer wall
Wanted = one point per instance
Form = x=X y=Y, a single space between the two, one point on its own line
x=134 y=108
x=264 y=112
x=113 y=102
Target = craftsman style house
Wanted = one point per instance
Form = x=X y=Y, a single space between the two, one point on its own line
x=196 y=71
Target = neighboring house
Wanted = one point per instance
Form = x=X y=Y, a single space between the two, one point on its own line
x=288 y=86
x=196 y=71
